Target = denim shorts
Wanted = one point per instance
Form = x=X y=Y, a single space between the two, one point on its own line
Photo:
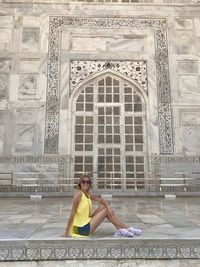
x=84 y=230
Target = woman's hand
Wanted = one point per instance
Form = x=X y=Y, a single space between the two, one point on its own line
x=67 y=233
x=104 y=202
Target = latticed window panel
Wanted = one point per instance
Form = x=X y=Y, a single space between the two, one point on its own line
x=109 y=128
x=109 y=125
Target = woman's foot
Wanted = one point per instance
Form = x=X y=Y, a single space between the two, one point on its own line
x=123 y=233
x=135 y=231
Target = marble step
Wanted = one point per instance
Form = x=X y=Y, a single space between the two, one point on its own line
x=99 y=248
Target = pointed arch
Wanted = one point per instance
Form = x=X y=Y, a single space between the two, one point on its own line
x=108 y=126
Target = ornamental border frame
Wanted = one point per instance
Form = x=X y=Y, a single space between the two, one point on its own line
x=34 y=250
x=58 y=23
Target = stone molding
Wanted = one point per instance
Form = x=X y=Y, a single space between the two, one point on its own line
x=113 y=248
x=176 y=159
x=59 y=24
x=33 y=159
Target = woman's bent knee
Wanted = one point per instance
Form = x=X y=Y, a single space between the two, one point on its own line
x=111 y=211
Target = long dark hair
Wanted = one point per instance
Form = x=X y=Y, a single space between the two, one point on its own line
x=81 y=178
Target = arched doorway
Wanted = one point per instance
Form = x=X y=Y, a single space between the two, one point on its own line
x=109 y=134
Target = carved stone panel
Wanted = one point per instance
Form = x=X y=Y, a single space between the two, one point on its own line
x=30 y=40
x=58 y=24
x=27 y=87
x=4 y=82
x=189 y=90
x=24 y=139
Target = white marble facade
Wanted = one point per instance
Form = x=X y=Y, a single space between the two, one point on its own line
x=36 y=110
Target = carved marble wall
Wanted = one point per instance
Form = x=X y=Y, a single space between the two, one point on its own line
x=48 y=50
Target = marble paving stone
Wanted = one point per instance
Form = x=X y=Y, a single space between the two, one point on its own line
x=47 y=218
x=15 y=233
x=35 y=220
x=48 y=233
x=153 y=219
x=55 y=225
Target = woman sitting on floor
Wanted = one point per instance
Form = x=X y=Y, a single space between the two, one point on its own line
x=82 y=222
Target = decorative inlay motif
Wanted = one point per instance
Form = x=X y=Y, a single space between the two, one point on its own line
x=88 y=252
x=158 y=252
x=144 y=252
x=135 y=70
x=17 y=253
x=3 y=254
x=46 y=253
x=130 y=252
x=171 y=252
x=102 y=252
x=74 y=252
x=185 y=252
x=57 y=24
x=60 y=253
x=31 y=253
x=116 y=252
x=197 y=252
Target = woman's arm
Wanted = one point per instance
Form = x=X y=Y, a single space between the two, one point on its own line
x=75 y=203
x=99 y=199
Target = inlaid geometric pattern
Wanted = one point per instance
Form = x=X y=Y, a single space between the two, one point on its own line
x=135 y=70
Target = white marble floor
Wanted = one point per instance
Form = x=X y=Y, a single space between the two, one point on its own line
x=159 y=218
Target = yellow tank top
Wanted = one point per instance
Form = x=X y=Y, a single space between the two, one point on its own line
x=82 y=215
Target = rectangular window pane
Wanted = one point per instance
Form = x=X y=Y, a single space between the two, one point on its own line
x=138 y=120
x=88 y=129
x=89 y=139
x=89 y=98
x=89 y=120
x=78 y=159
x=101 y=139
x=128 y=120
x=79 y=139
x=137 y=107
x=79 y=107
x=89 y=107
x=79 y=119
x=100 y=98
x=100 y=129
x=117 y=139
x=78 y=147
x=108 y=98
x=79 y=129
x=101 y=120
x=88 y=147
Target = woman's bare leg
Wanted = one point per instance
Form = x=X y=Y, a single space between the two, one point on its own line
x=98 y=218
x=97 y=210
x=115 y=220
x=105 y=212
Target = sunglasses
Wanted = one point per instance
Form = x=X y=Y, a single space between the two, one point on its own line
x=86 y=182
